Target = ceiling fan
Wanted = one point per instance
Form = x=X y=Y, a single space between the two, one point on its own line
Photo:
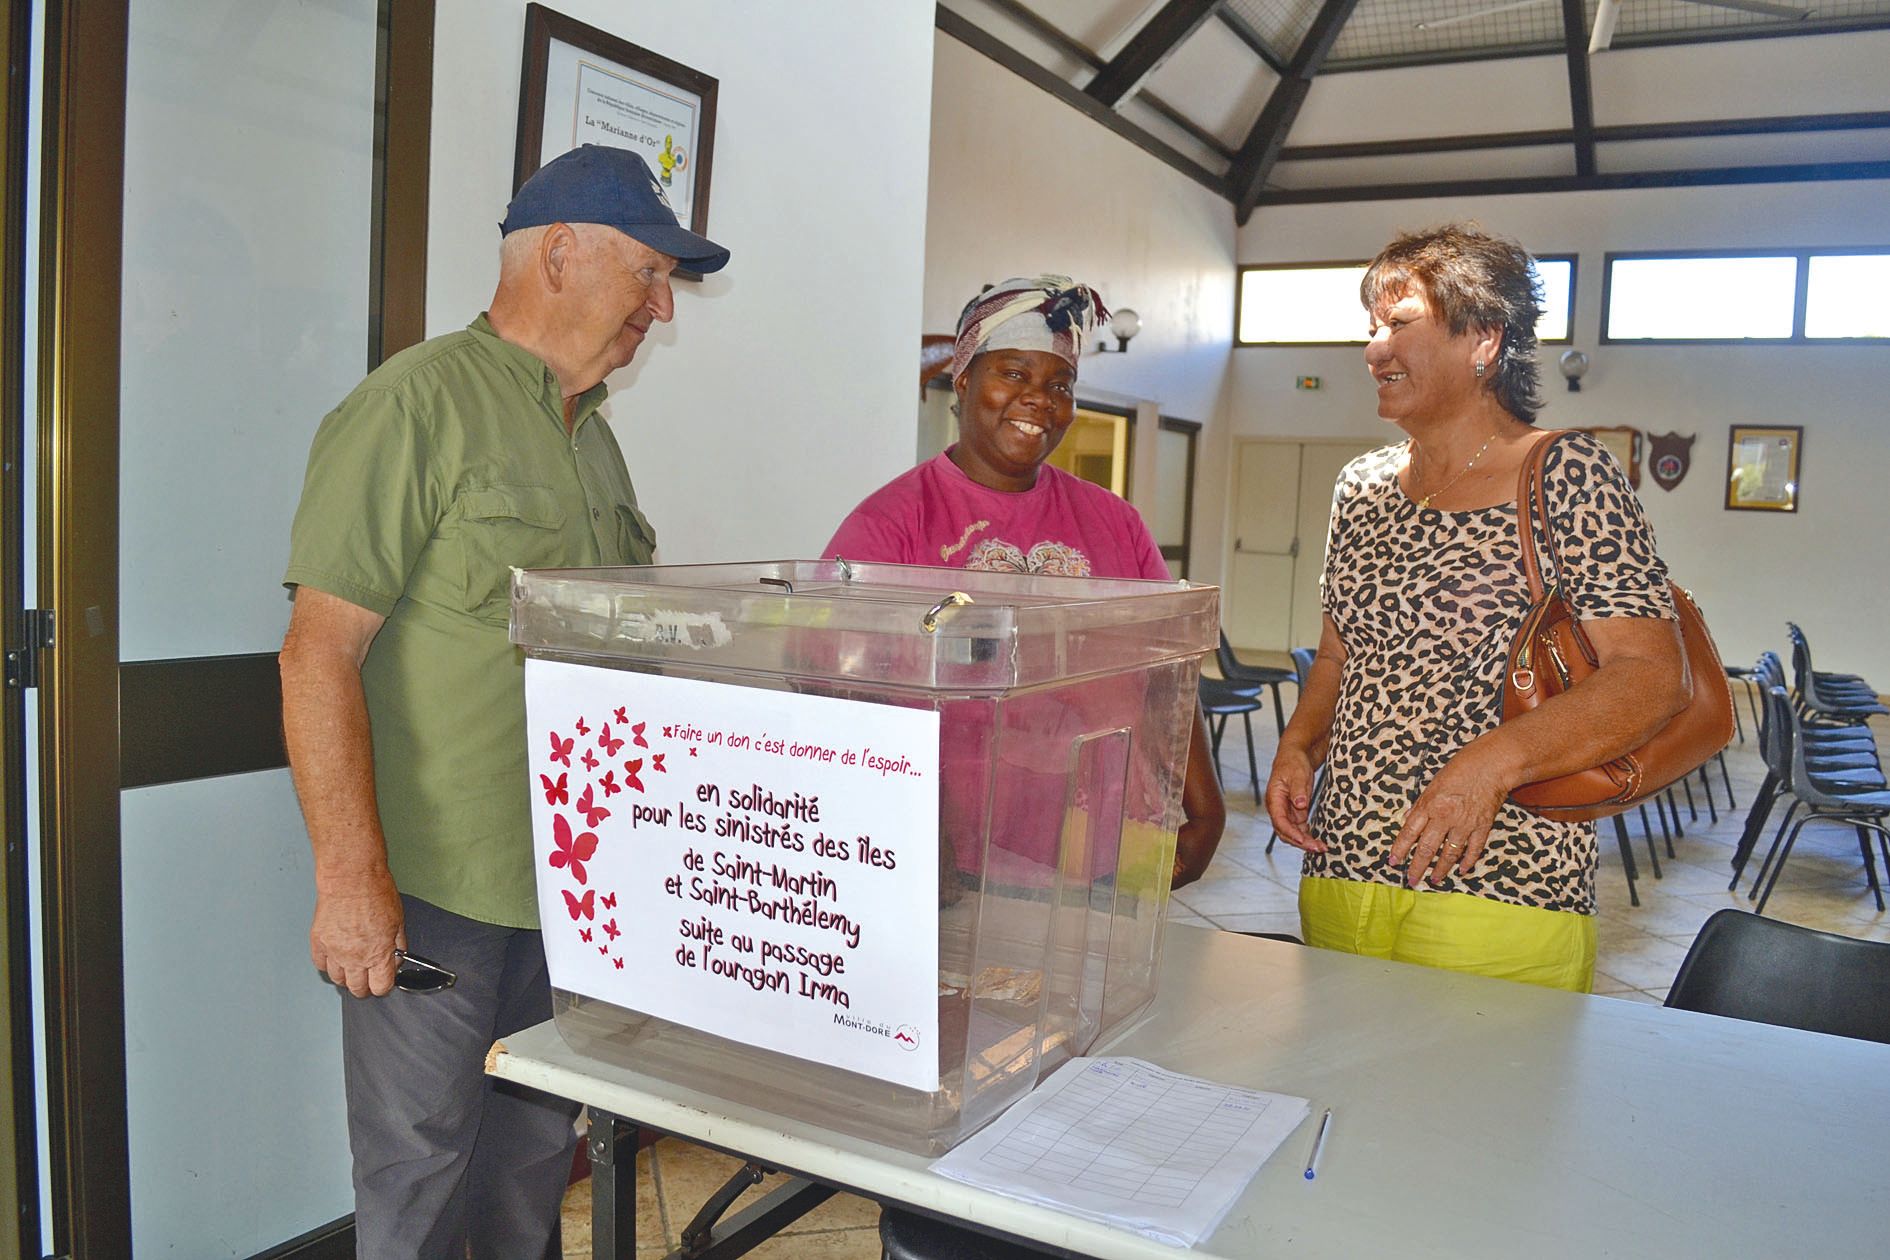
x=1607 y=11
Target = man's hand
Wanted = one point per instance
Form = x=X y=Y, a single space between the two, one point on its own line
x=357 y=928
x=358 y=918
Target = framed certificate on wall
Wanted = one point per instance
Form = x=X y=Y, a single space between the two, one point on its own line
x=1762 y=467
x=581 y=85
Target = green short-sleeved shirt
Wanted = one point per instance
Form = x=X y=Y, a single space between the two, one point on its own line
x=447 y=467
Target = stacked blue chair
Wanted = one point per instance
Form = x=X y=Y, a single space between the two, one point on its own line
x=1838 y=697
x=1833 y=781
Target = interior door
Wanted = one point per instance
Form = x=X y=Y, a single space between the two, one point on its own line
x=1319 y=467
x=1282 y=502
x=1266 y=543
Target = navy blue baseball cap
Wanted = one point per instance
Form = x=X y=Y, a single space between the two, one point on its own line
x=596 y=183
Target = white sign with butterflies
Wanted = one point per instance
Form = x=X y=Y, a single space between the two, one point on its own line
x=761 y=865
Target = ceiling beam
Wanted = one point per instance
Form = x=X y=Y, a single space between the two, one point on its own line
x=977 y=38
x=1231 y=18
x=1050 y=34
x=1781 y=124
x=1148 y=48
x=1248 y=175
x=1581 y=99
x=1705 y=176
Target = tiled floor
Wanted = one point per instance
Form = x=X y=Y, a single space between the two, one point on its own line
x=1249 y=889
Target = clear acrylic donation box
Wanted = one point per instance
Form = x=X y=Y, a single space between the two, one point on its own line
x=872 y=846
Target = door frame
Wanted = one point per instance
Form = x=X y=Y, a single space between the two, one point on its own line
x=19 y=1142
x=1184 y=553
x=83 y=727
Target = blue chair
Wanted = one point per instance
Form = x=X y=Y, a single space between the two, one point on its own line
x=1746 y=967
x=1221 y=700
x=909 y=1236
x=1241 y=674
x=1860 y=799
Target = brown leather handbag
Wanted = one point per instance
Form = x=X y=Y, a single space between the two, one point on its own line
x=1550 y=654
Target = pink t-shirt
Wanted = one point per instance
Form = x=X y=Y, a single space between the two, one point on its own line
x=936 y=515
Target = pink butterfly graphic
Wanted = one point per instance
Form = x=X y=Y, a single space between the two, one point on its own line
x=581 y=728
x=611 y=930
x=656 y=763
x=604 y=949
x=586 y=934
x=561 y=749
x=582 y=908
x=589 y=759
x=630 y=769
x=621 y=719
x=636 y=733
x=593 y=814
x=619 y=963
x=609 y=783
x=572 y=852
x=555 y=793
x=605 y=742
x=610 y=901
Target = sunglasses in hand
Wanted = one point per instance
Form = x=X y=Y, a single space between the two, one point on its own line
x=414 y=974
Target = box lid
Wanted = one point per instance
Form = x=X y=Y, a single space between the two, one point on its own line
x=891 y=625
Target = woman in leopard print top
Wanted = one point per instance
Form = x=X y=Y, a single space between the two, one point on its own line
x=1416 y=853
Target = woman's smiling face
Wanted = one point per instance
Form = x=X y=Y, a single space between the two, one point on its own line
x=1014 y=407
x=1422 y=370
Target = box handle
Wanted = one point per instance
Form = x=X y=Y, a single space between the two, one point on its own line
x=929 y=622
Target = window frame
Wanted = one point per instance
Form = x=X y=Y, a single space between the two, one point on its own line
x=1801 y=256
x=1572 y=258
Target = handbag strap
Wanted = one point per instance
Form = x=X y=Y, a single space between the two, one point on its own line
x=1532 y=510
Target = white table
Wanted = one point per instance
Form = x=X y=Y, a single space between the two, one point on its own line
x=1471 y=1117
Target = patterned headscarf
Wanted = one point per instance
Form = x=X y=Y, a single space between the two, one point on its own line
x=1049 y=313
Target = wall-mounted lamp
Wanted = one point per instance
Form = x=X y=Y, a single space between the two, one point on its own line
x=1123 y=325
x=1574 y=366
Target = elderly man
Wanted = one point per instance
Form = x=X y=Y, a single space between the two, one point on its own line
x=403 y=699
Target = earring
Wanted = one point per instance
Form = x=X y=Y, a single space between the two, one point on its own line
x=1480 y=369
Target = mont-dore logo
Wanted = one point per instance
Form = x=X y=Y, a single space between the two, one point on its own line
x=1672 y=455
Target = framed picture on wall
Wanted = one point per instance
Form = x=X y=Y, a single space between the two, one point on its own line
x=1762 y=467
x=1624 y=443
x=581 y=85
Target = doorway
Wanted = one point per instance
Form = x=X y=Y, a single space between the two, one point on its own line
x=1097 y=448
x=1282 y=503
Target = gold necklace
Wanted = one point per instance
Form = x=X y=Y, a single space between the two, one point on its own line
x=1425 y=502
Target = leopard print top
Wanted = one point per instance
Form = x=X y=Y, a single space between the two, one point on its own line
x=1425 y=602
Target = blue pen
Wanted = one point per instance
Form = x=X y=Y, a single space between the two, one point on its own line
x=1318 y=1145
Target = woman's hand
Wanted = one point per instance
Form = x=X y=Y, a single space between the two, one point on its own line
x=1447 y=827
x=1289 y=798
x=1203 y=811
x=1194 y=847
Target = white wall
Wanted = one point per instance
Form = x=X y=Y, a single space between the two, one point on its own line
x=784 y=390
x=1022 y=183
x=1825 y=566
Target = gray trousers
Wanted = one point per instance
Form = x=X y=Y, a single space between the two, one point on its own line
x=445 y=1157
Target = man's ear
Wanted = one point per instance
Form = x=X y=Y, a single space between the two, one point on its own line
x=557 y=255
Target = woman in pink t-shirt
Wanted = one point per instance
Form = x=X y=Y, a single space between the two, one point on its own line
x=990 y=502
